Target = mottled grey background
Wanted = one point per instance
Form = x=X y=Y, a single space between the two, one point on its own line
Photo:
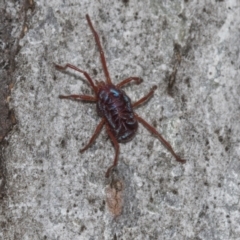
x=190 y=50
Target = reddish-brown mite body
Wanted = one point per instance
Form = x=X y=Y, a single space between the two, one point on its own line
x=115 y=107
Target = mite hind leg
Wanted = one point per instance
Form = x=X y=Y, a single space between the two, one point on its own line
x=116 y=146
x=159 y=136
x=94 y=136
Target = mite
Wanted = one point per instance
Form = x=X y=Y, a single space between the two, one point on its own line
x=114 y=107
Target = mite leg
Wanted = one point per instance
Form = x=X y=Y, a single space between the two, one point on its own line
x=116 y=146
x=102 y=56
x=126 y=81
x=163 y=141
x=63 y=68
x=95 y=134
x=79 y=98
x=145 y=98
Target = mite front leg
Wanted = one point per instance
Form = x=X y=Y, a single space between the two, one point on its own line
x=102 y=56
x=137 y=80
x=63 y=68
x=163 y=141
x=145 y=98
x=116 y=146
x=79 y=98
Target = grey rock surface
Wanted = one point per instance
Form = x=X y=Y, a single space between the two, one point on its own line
x=190 y=50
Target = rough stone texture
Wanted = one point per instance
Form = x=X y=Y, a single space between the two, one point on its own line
x=190 y=50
